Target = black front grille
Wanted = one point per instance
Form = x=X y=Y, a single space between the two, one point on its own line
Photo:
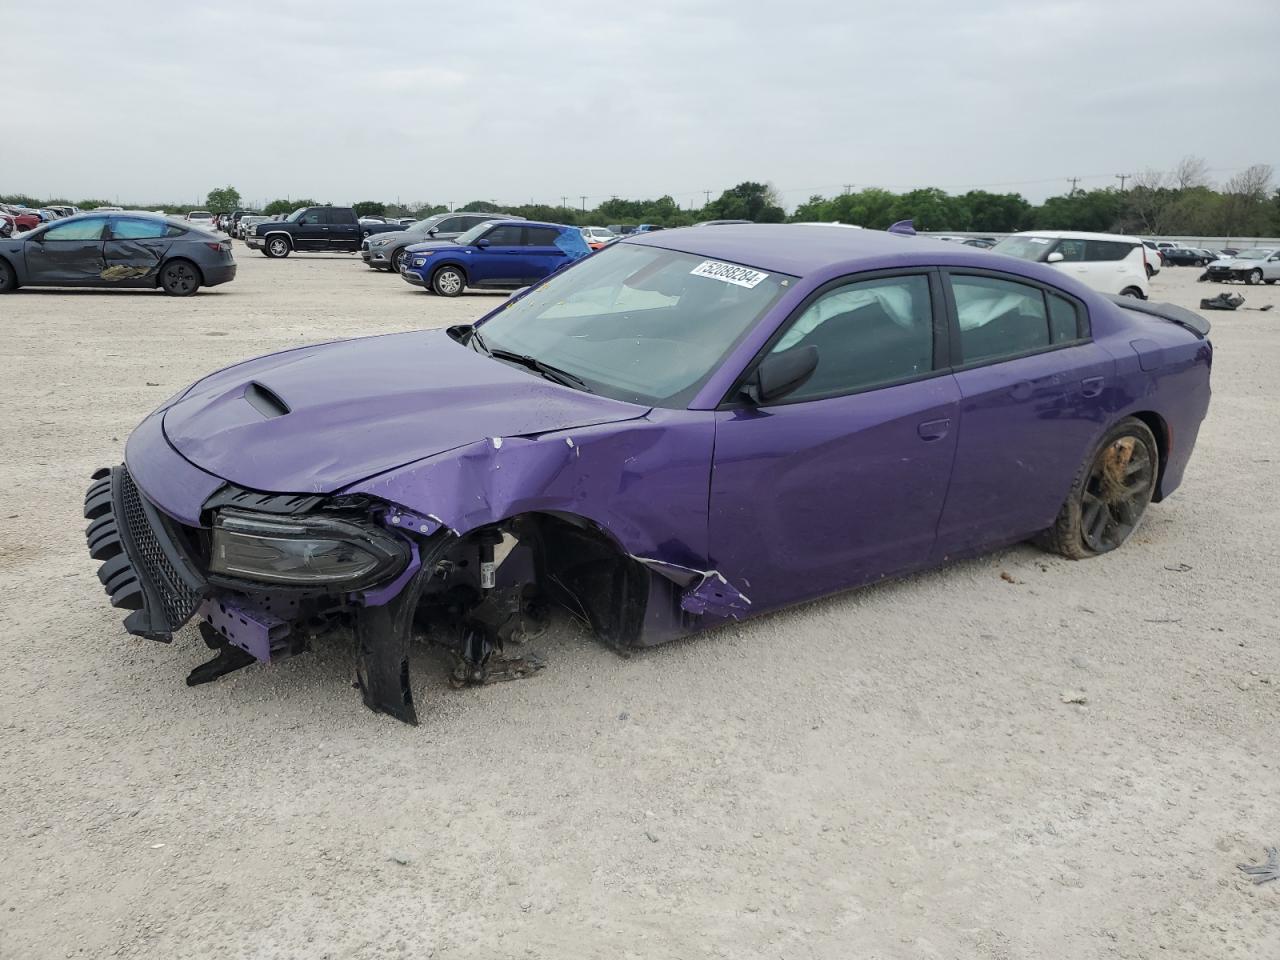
x=176 y=596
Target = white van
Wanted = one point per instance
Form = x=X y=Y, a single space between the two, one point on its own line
x=1108 y=262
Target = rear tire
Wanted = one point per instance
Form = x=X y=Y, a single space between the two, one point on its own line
x=1132 y=292
x=180 y=278
x=448 y=281
x=1110 y=494
x=1254 y=278
x=277 y=248
x=8 y=278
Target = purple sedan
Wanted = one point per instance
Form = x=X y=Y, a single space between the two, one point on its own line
x=687 y=428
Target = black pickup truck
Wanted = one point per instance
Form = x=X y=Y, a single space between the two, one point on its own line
x=314 y=229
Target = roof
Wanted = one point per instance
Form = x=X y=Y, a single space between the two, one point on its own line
x=793 y=248
x=1077 y=235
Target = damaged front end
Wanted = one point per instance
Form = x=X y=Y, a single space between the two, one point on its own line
x=264 y=575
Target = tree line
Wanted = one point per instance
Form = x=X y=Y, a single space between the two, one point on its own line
x=1182 y=201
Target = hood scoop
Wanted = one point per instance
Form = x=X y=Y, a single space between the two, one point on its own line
x=265 y=400
x=316 y=419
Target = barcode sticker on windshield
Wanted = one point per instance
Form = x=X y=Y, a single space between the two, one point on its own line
x=729 y=273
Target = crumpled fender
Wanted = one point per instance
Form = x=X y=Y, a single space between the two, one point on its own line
x=645 y=483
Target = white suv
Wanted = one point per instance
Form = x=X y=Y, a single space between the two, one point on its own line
x=1108 y=262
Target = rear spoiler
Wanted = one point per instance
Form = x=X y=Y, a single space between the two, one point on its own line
x=1165 y=311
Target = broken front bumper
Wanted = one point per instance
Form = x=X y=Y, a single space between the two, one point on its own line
x=144 y=567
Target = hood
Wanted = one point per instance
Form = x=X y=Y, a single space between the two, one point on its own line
x=1223 y=262
x=433 y=245
x=395 y=236
x=320 y=418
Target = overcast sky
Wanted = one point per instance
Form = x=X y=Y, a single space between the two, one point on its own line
x=520 y=101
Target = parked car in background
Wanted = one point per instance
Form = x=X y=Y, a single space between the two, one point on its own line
x=648 y=228
x=64 y=210
x=663 y=438
x=1107 y=262
x=386 y=251
x=23 y=218
x=506 y=254
x=105 y=209
x=379 y=225
x=1188 y=257
x=245 y=222
x=1260 y=265
x=621 y=229
x=982 y=243
x=1155 y=257
x=597 y=237
x=310 y=230
x=7 y=225
x=117 y=250
x=202 y=218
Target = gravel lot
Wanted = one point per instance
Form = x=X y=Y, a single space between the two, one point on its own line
x=887 y=773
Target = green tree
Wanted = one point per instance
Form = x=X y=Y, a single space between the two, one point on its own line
x=1097 y=210
x=286 y=206
x=370 y=208
x=747 y=201
x=481 y=206
x=223 y=200
x=995 y=212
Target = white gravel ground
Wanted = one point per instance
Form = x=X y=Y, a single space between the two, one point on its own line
x=888 y=773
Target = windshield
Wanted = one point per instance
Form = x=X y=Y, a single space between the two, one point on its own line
x=296 y=215
x=474 y=234
x=1024 y=248
x=1253 y=254
x=641 y=324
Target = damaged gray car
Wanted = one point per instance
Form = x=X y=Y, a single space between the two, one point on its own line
x=136 y=250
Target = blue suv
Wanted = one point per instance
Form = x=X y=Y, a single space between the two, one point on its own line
x=494 y=255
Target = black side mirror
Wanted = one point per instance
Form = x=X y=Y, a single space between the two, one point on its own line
x=781 y=373
x=433 y=231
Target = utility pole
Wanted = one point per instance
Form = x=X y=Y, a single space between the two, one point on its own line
x=848 y=188
x=1073 y=181
x=451 y=206
x=1122 y=177
x=583 y=198
x=564 y=203
x=707 y=194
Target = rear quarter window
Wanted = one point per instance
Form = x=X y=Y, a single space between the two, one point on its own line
x=1107 y=249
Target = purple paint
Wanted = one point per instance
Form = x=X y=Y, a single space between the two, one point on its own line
x=732 y=509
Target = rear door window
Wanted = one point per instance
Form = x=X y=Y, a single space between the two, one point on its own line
x=998 y=318
x=138 y=229
x=541 y=236
x=1106 y=250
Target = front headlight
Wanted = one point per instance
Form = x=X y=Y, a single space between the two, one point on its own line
x=304 y=551
x=380 y=242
